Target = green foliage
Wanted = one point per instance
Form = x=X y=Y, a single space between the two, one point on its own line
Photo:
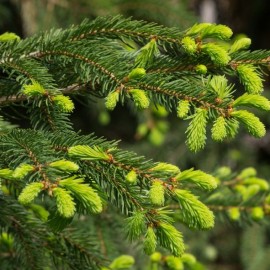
x=121 y=60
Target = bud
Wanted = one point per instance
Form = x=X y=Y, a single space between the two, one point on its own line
x=156 y=193
x=156 y=137
x=64 y=103
x=140 y=98
x=22 y=170
x=257 y=213
x=251 y=191
x=189 y=45
x=223 y=172
x=201 y=69
x=131 y=177
x=142 y=130
x=30 y=192
x=183 y=108
x=217 y=54
x=122 y=262
x=267 y=199
x=104 y=118
x=242 y=190
x=247 y=172
x=234 y=213
x=137 y=73
x=111 y=100
x=9 y=37
x=7 y=240
x=174 y=263
x=239 y=44
x=33 y=90
x=64 y=165
x=156 y=257
x=159 y=110
x=189 y=259
x=263 y=184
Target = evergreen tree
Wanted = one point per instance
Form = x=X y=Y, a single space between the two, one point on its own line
x=64 y=195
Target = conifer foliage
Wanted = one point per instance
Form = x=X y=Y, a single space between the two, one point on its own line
x=53 y=177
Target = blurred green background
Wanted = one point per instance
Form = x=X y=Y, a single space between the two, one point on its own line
x=157 y=134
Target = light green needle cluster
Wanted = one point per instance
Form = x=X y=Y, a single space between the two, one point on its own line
x=150 y=241
x=156 y=193
x=22 y=170
x=218 y=130
x=131 y=177
x=137 y=73
x=84 y=194
x=193 y=212
x=111 y=100
x=250 y=78
x=63 y=103
x=86 y=152
x=253 y=100
x=217 y=54
x=169 y=237
x=251 y=122
x=196 y=131
x=201 y=69
x=140 y=98
x=30 y=192
x=183 y=108
x=135 y=225
x=240 y=44
x=122 y=262
x=208 y=30
x=189 y=45
x=64 y=165
x=6 y=173
x=33 y=90
x=64 y=202
x=9 y=37
x=163 y=166
x=147 y=54
x=199 y=178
